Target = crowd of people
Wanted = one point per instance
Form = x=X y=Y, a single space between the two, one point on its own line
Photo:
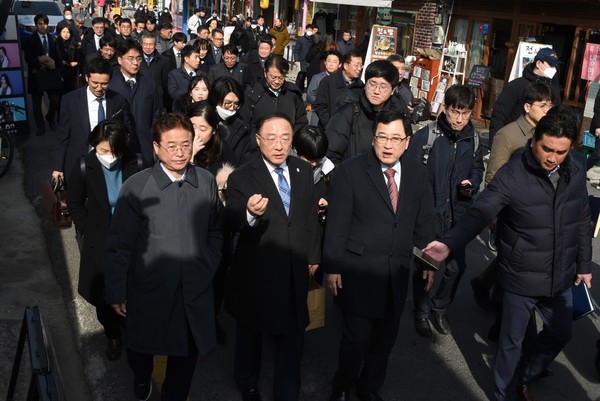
x=196 y=181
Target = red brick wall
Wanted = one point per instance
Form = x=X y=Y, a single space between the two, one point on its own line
x=423 y=26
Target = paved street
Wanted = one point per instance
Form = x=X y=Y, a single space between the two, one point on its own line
x=39 y=266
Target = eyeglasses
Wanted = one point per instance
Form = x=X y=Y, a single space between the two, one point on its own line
x=356 y=65
x=278 y=79
x=134 y=59
x=172 y=149
x=382 y=87
x=231 y=105
x=395 y=140
x=543 y=105
x=271 y=140
x=455 y=113
x=217 y=39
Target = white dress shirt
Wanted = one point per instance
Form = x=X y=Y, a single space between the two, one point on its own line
x=275 y=177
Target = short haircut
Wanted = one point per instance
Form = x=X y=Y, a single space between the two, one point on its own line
x=382 y=69
x=107 y=40
x=537 y=92
x=347 y=31
x=216 y=30
x=201 y=28
x=347 y=59
x=278 y=62
x=389 y=116
x=117 y=135
x=266 y=39
x=140 y=21
x=229 y=48
x=79 y=17
x=98 y=65
x=170 y=121
x=460 y=97
x=127 y=45
x=179 y=37
x=266 y=36
x=202 y=44
x=42 y=17
x=97 y=20
x=559 y=122
x=188 y=50
x=147 y=35
x=221 y=88
x=151 y=19
x=395 y=57
x=261 y=121
x=166 y=25
x=311 y=143
x=333 y=53
x=124 y=21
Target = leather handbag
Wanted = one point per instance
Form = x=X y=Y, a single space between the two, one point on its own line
x=54 y=200
x=316 y=304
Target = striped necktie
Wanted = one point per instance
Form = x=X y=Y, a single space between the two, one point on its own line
x=392 y=187
x=284 y=190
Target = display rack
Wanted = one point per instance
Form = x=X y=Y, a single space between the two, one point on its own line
x=454 y=65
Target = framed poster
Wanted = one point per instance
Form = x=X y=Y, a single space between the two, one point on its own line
x=425 y=85
x=425 y=74
x=422 y=94
x=414 y=82
x=417 y=72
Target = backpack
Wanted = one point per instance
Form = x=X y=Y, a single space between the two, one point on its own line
x=434 y=133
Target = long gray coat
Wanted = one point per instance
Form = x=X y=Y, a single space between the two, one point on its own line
x=163 y=249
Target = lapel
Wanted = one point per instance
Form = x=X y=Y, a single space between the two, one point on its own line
x=296 y=185
x=374 y=172
x=86 y=112
x=262 y=175
x=96 y=179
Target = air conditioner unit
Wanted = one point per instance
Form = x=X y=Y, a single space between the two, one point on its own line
x=437 y=35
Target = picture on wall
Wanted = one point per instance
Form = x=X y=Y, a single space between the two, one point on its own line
x=9 y=55
x=11 y=83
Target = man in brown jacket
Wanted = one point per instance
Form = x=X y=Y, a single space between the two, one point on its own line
x=281 y=35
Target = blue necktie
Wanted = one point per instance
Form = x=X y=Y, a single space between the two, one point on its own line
x=284 y=190
x=101 y=114
x=45 y=44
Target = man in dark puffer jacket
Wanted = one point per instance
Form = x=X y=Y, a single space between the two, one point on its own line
x=545 y=246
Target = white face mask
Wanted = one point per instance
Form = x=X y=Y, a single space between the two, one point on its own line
x=309 y=33
x=550 y=72
x=253 y=26
x=68 y=17
x=224 y=113
x=107 y=161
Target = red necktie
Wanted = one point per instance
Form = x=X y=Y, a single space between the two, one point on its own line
x=392 y=187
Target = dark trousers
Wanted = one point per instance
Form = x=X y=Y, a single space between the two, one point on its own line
x=365 y=343
x=178 y=378
x=300 y=78
x=36 y=105
x=523 y=354
x=286 y=365
x=444 y=294
x=109 y=319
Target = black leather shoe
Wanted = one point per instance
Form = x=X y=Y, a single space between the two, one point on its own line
x=142 y=391
x=370 y=397
x=423 y=328
x=441 y=323
x=251 y=395
x=481 y=294
x=524 y=394
x=113 y=348
x=340 y=396
x=494 y=332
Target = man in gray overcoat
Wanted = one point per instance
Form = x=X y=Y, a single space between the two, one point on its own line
x=163 y=249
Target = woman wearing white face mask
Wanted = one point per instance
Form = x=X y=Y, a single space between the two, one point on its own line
x=94 y=186
x=227 y=97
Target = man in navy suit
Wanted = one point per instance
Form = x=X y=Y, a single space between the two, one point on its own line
x=81 y=110
x=380 y=206
x=180 y=78
x=142 y=93
x=42 y=73
x=270 y=203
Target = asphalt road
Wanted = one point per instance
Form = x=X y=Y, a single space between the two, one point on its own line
x=454 y=367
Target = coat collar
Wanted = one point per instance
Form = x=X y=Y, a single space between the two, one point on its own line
x=374 y=172
x=163 y=181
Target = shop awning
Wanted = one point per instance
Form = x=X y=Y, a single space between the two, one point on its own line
x=365 y=3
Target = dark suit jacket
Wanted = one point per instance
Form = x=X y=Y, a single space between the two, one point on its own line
x=178 y=83
x=158 y=70
x=170 y=59
x=366 y=242
x=145 y=105
x=332 y=94
x=33 y=49
x=74 y=126
x=87 y=199
x=239 y=72
x=270 y=262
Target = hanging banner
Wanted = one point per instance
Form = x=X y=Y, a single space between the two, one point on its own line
x=525 y=55
x=590 y=69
